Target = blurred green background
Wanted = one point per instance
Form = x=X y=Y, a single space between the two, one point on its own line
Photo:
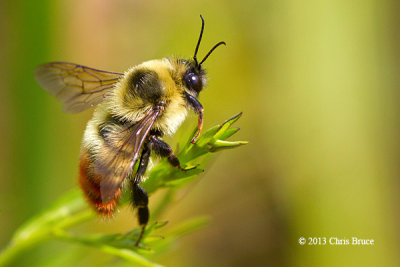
x=317 y=81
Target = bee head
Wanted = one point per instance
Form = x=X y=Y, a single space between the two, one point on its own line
x=194 y=76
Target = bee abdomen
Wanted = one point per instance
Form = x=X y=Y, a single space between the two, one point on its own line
x=90 y=184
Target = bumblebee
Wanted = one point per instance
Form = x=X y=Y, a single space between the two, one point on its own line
x=134 y=111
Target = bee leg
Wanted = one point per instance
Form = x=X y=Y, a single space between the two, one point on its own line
x=141 y=200
x=144 y=161
x=139 y=196
x=164 y=150
x=198 y=108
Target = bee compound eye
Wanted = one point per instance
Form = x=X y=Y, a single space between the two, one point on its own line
x=194 y=79
x=194 y=82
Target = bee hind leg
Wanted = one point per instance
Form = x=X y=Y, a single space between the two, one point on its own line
x=162 y=149
x=140 y=199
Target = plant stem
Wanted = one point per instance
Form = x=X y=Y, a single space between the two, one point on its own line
x=40 y=233
x=121 y=252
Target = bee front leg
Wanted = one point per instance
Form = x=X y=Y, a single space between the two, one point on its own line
x=164 y=150
x=198 y=108
x=140 y=199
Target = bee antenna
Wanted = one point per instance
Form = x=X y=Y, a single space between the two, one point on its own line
x=209 y=53
x=198 y=42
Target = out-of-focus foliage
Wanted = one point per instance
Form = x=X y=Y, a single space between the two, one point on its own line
x=318 y=83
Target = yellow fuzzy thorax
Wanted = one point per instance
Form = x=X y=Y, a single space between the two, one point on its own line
x=133 y=109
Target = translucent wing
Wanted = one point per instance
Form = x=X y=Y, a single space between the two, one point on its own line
x=77 y=86
x=120 y=153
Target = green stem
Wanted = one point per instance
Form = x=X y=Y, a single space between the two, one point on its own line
x=11 y=252
x=120 y=252
x=24 y=240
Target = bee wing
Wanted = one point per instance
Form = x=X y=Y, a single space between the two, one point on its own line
x=78 y=87
x=121 y=151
